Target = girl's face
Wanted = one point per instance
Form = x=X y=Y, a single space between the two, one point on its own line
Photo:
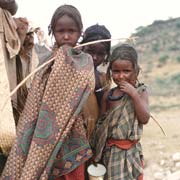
x=97 y=51
x=66 y=31
x=123 y=70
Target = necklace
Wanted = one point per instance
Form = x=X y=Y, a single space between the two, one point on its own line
x=114 y=98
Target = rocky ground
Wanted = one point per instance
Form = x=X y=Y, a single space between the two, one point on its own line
x=162 y=153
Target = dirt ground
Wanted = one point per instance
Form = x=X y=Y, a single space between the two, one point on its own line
x=154 y=141
x=157 y=147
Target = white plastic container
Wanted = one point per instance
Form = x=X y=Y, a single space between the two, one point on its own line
x=96 y=172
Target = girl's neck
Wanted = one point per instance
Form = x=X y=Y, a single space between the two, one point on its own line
x=115 y=94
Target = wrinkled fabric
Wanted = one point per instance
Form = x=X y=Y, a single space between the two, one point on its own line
x=10 y=34
x=7 y=80
x=10 y=47
x=119 y=123
x=51 y=138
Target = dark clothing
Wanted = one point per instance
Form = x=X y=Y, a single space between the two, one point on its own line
x=3 y=159
x=101 y=86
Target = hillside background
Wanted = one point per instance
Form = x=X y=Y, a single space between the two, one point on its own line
x=158 y=47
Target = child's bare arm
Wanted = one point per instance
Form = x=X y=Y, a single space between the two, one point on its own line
x=141 y=102
x=104 y=103
x=141 y=105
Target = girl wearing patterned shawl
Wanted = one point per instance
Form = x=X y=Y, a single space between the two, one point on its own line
x=116 y=138
x=51 y=141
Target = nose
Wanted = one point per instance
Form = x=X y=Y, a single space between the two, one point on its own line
x=120 y=75
x=66 y=36
x=94 y=56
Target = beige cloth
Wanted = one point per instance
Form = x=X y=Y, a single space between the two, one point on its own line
x=8 y=52
x=29 y=64
x=10 y=33
x=7 y=124
x=13 y=37
x=10 y=46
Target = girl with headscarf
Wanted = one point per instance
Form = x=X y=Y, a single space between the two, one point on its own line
x=51 y=141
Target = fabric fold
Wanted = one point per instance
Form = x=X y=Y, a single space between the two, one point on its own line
x=51 y=118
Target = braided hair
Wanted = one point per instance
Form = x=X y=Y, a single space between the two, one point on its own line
x=68 y=10
x=98 y=32
x=123 y=52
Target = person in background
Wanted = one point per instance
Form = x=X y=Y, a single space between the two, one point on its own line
x=42 y=46
x=26 y=62
x=9 y=47
x=125 y=109
x=18 y=60
x=17 y=48
x=51 y=138
x=100 y=53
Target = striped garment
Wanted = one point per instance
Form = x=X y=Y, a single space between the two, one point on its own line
x=119 y=124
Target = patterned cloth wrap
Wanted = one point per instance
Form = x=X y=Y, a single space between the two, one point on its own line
x=51 y=139
x=119 y=123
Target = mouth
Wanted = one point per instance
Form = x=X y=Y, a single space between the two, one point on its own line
x=67 y=43
x=118 y=82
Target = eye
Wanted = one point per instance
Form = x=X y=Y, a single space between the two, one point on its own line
x=59 y=30
x=115 y=71
x=90 y=51
x=127 y=71
x=72 y=31
x=101 y=54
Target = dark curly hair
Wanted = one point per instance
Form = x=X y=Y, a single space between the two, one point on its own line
x=68 y=10
x=123 y=52
x=98 y=32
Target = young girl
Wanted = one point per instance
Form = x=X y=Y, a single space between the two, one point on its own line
x=116 y=139
x=51 y=138
x=100 y=53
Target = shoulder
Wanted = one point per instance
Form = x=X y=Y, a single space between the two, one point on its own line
x=142 y=90
x=105 y=95
x=141 y=87
x=76 y=53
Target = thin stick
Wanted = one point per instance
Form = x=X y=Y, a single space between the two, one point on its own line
x=102 y=40
x=158 y=125
x=49 y=61
x=52 y=59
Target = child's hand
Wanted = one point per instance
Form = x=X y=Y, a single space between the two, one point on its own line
x=93 y=161
x=127 y=88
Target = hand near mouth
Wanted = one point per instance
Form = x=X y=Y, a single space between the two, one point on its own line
x=127 y=88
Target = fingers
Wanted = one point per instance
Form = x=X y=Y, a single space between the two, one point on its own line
x=94 y=162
